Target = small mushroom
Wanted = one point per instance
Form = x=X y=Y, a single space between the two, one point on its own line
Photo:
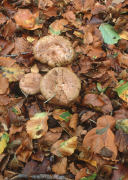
x=54 y=50
x=60 y=86
x=30 y=83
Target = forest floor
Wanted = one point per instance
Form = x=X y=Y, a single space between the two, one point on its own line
x=83 y=140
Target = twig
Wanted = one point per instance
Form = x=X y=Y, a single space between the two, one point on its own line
x=49 y=99
x=40 y=177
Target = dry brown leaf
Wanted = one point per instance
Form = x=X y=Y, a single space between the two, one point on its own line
x=27 y=20
x=3 y=18
x=73 y=121
x=6 y=61
x=37 y=126
x=4 y=100
x=24 y=151
x=123 y=59
x=44 y=4
x=93 y=99
x=73 y=169
x=58 y=26
x=60 y=166
x=70 y=16
x=82 y=173
x=101 y=141
x=50 y=138
x=105 y=121
x=3 y=85
x=87 y=116
x=14 y=129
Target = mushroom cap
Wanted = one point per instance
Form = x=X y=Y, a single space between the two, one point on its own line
x=30 y=83
x=54 y=50
x=60 y=86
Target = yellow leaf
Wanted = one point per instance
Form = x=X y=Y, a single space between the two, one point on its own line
x=68 y=147
x=13 y=73
x=4 y=139
x=124 y=35
x=30 y=39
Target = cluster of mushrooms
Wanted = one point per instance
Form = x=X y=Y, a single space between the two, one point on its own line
x=60 y=84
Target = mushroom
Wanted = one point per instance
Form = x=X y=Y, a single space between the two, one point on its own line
x=60 y=86
x=53 y=50
x=30 y=83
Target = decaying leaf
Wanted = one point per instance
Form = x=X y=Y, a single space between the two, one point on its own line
x=4 y=139
x=60 y=166
x=3 y=85
x=81 y=174
x=37 y=126
x=122 y=90
x=110 y=36
x=101 y=141
x=13 y=73
x=64 y=148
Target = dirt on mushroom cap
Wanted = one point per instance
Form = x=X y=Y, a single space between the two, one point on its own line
x=60 y=85
x=30 y=83
x=54 y=50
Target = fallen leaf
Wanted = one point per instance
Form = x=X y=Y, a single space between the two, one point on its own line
x=3 y=18
x=64 y=148
x=13 y=73
x=105 y=121
x=120 y=172
x=60 y=166
x=62 y=115
x=3 y=85
x=121 y=140
x=86 y=116
x=73 y=169
x=80 y=174
x=4 y=139
x=101 y=141
x=58 y=26
x=6 y=61
x=123 y=59
x=4 y=100
x=37 y=126
x=110 y=36
x=122 y=125
x=123 y=34
x=27 y=20
x=92 y=177
x=93 y=99
x=122 y=90
x=117 y=1
x=73 y=121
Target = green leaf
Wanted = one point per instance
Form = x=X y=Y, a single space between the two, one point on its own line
x=4 y=139
x=122 y=87
x=109 y=35
x=102 y=131
x=92 y=177
x=65 y=116
x=53 y=31
x=100 y=89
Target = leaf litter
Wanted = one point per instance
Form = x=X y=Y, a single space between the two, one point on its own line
x=73 y=125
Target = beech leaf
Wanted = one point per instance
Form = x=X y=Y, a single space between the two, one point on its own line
x=109 y=35
x=4 y=139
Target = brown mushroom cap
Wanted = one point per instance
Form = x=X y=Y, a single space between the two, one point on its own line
x=30 y=83
x=60 y=85
x=54 y=50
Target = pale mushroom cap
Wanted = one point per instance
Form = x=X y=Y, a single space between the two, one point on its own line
x=60 y=85
x=54 y=50
x=30 y=83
